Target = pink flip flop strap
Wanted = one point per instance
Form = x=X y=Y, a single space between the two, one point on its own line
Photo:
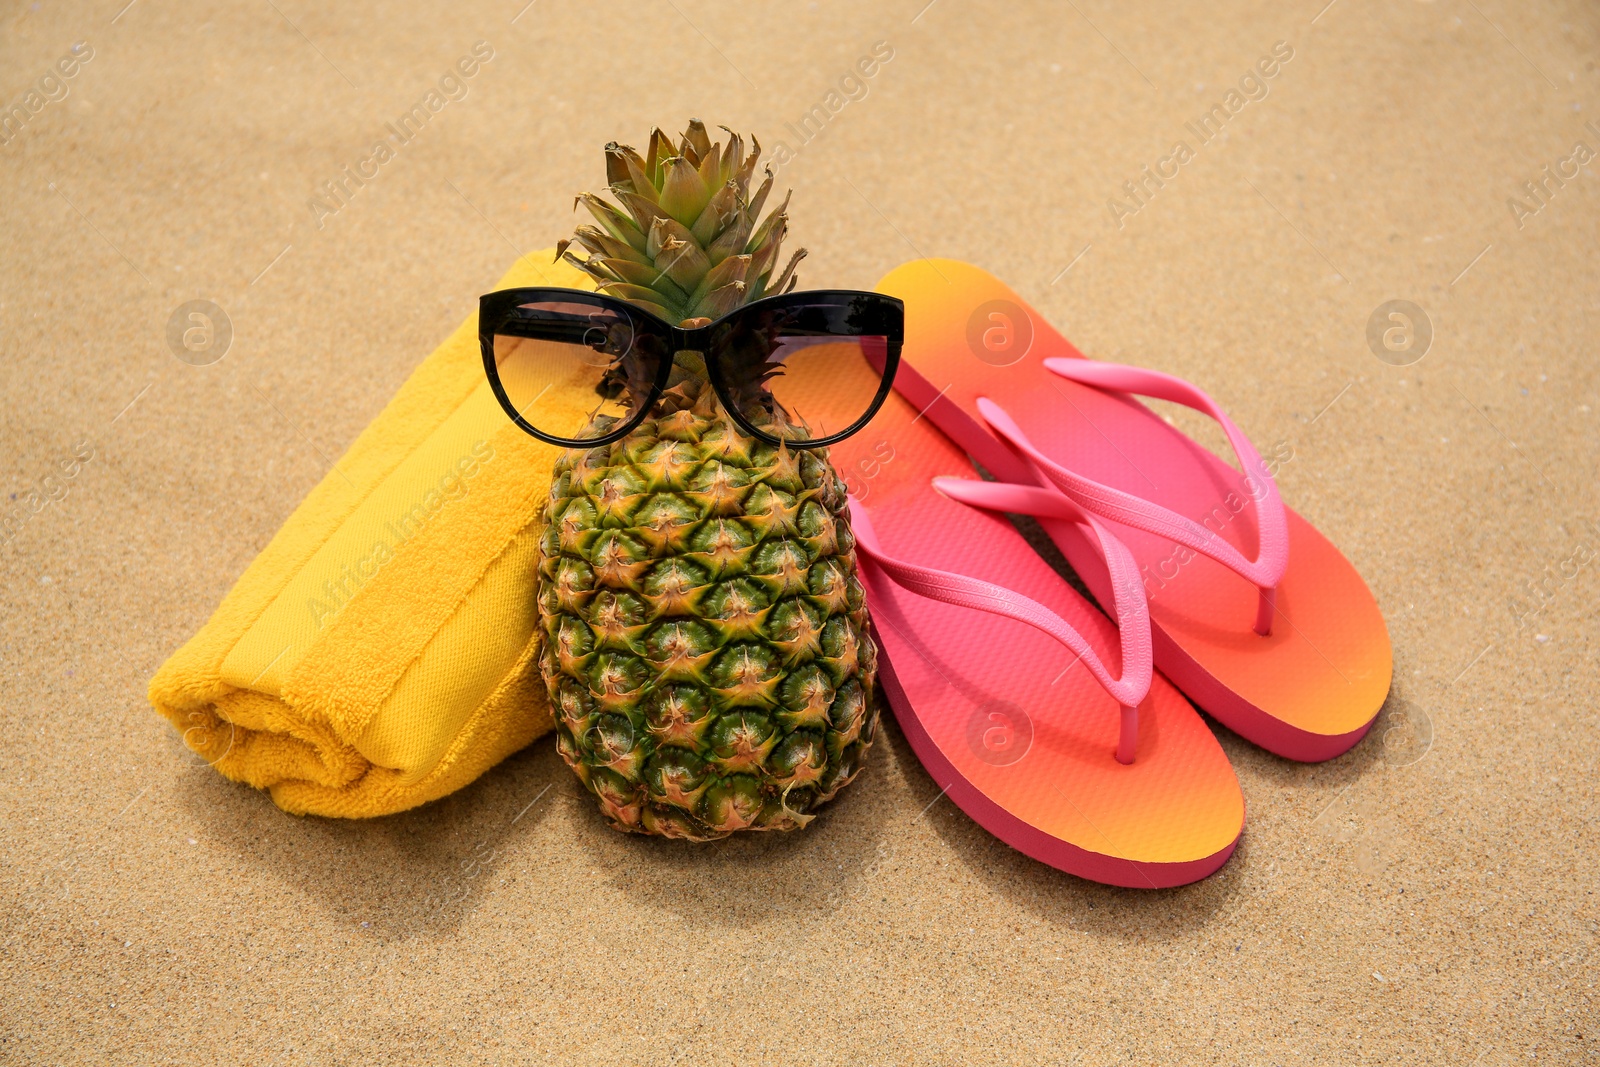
x=1130 y=606
x=950 y=588
x=1272 y=555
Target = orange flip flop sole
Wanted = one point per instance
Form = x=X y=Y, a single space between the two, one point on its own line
x=1020 y=736
x=1311 y=689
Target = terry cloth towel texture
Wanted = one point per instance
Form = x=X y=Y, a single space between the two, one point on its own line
x=382 y=650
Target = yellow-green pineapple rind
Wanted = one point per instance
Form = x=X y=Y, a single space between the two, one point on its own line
x=706 y=645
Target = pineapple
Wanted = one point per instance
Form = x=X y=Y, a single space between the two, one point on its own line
x=706 y=646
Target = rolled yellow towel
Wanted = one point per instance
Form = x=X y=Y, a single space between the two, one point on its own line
x=381 y=651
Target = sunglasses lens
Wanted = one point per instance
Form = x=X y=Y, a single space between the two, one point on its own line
x=806 y=372
x=570 y=369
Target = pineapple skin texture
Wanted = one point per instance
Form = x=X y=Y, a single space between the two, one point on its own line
x=706 y=645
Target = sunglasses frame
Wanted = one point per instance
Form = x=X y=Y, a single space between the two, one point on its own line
x=492 y=308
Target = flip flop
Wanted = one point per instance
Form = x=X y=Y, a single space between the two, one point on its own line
x=1113 y=778
x=1254 y=614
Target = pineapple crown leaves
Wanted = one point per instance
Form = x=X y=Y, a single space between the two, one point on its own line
x=687 y=242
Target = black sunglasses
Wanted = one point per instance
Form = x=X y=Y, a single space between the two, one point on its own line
x=580 y=369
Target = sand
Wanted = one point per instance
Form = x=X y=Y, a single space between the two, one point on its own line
x=1427 y=899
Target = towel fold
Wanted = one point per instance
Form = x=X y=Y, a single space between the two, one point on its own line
x=382 y=650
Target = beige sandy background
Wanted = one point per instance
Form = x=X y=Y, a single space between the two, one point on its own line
x=1427 y=899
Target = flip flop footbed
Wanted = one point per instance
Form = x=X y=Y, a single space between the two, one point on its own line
x=1312 y=687
x=1021 y=735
